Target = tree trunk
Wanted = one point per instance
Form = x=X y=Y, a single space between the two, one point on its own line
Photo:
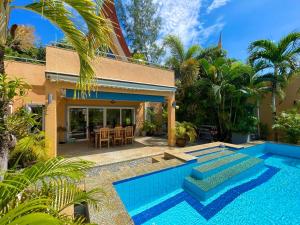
x=274 y=110
x=2 y=51
x=4 y=111
x=258 y=117
x=5 y=140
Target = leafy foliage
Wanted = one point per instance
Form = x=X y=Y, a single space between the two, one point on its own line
x=141 y=24
x=289 y=124
x=186 y=130
x=276 y=63
x=39 y=194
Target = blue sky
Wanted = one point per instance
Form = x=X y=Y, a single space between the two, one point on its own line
x=201 y=21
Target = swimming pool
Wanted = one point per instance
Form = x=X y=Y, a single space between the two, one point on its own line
x=271 y=195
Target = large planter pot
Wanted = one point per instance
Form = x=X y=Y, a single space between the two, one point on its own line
x=181 y=142
x=239 y=138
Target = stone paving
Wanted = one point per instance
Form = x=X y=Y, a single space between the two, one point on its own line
x=112 y=209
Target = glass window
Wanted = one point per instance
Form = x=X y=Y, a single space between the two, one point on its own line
x=39 y=111
x=112 y=117
x=95 y=118
x=127 y=117
x=78 y=123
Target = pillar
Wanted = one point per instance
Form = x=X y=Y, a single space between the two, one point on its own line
x=171 y=120
x=51 y=117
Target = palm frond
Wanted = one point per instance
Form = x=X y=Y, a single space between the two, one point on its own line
x=193 y=51
x=264 y=45
x=84 y=44
x=289 y=42
x=65 y=193
x=176 y=47
x=52 y=170
x=19 y=214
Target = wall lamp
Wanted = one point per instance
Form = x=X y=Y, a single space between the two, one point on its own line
x=50 y=98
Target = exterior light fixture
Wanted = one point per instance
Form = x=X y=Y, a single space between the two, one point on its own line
x=112 y=101
x=50 y=99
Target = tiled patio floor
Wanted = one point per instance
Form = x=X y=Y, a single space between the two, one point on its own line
x=142 y=147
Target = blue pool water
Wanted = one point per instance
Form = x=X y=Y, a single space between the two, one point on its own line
x=269 y=197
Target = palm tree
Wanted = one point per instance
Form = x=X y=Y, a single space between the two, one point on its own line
x=276 y=63
x=183 y=61
x=59 y=13
x=39 y=194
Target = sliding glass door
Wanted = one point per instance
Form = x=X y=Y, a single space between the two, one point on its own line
x=78 y=123
x=83 y=120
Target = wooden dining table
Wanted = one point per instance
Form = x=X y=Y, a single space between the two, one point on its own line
x=111 y=132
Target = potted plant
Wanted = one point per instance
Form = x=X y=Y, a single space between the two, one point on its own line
x=149 y=128
x=242 y=129
x=185 y=132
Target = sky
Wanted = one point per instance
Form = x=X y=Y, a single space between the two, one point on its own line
x=201 y=21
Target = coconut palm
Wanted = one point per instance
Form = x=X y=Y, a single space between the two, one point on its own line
x=39 y=194
x=276 y=63
x=183 y=61
x=59 y=13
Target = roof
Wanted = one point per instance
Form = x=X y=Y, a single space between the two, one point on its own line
x=110 y=13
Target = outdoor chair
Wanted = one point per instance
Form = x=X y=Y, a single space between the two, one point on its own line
x=129 y=137
x=118 y=135
x=104 y=136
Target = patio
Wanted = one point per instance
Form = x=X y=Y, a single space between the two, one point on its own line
x=142 y=147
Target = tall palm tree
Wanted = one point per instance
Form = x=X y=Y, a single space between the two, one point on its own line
x=183 y=61
x=276 y=63
x=39 y=194
x=59 y=13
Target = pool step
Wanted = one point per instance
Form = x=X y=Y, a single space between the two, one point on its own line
x=205 y=188
x=217 y=155
x=210 y=168
x=207 y=151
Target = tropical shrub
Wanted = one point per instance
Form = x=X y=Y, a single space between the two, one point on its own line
x=39 y=194
x=246 y=125
x=186 y=130
x=30 y=149
x=289 y=124
x=149 y=127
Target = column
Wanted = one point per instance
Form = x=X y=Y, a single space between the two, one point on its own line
x=51 y=118
x=171 y=120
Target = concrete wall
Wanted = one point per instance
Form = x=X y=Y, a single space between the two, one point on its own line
x=67 y=62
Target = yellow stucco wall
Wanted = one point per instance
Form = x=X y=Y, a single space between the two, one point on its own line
x=287 y=103
x=32 y=74
x=67 y=62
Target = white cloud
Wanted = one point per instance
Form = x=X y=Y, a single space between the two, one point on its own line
x=216 y=4
x=182 y=18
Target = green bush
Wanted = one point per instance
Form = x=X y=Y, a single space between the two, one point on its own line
x=186 y=130
x=246 y=125
x=289 y=124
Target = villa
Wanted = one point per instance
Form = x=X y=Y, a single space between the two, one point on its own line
x=124 y=91
x=109 y=175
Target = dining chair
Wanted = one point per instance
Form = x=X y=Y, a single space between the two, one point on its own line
x=104 y=136
x=129 y=134
x=118 y=135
